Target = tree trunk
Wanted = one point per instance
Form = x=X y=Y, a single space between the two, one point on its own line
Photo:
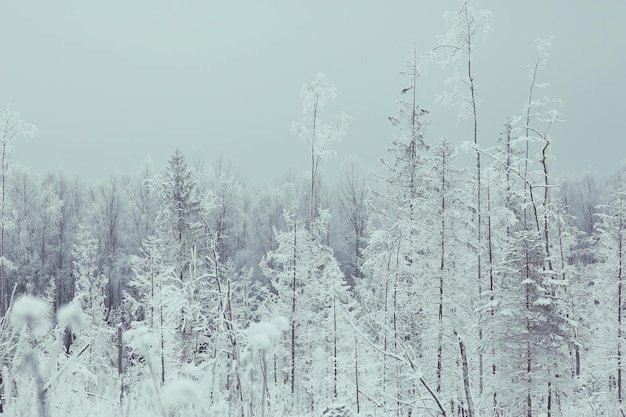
x=549 y=399
x=491 y=296
x=619 y=312
x=162 y=344
x=356 y=376
x=313 y=166
x=120 y=356
x=466 y=379
x=293 y=317
x=3 y=278
x=334 y=340
x=479 y=220
x=441 y=274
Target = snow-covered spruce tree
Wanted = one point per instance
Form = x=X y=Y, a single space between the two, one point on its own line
x=144 y=302
x=500 y=221
x=12 y=127
x=398 y=293
x=533 y=335
x=610 y=273
x=532 y=316
x=318 y=135
x=453 y=235
x=179 y=227
x=456 y=50
x=177 y=221
x=89 y=296
x=223 y=332
x=308 y=287
x=159 y=359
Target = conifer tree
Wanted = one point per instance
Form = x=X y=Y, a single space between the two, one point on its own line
x=611 y=270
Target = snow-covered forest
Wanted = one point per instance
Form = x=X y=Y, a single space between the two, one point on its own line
x=456 y=279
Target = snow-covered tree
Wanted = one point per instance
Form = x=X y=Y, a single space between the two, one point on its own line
x=318 y=135
x=90 y=297
x=12 y=127
x=610 y=248
x=178 y=223
x=397 y=293
x=456 y=50
x=310 y=290
x=352 y=208
x=36 y=209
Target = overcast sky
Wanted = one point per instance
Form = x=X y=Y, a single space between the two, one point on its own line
x=110 y=83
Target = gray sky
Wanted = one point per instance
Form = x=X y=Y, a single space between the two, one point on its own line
x=109 y=83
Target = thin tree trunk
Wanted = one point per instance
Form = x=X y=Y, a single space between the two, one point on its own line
x=549 y=399
x=233 y=341
x=120 y=356
x=441 y=273
x=472 y=89
x=162 y=343
x=3 y=279
x=529 y=400
x=293 y=316
x=395 y=320
x=546 y=228
x=466 y=379
x=530 y=100
x=313 y=166
x=491 y=296
x=334 y=339
x=385 y=332
x=264 y=391
x=356 y=375
x=619 y=310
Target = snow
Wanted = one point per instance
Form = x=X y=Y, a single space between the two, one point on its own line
x=264 y=335
x=32 y=313
x=178 y=394
x=542 y=301
x=280 y=323
x=71 y=316
x=140 y=339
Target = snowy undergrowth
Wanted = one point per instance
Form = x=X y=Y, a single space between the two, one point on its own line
x=49 y=377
